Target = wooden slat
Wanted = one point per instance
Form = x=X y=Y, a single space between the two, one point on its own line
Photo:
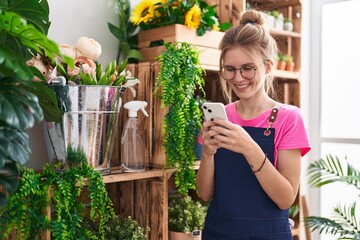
x=159 y=212
x=142 y=203
x=179 y=33
x=158 y=157
x=273 y=4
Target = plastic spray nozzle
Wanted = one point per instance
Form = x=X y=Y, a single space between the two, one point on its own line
x=134 y=106
x=130 y=84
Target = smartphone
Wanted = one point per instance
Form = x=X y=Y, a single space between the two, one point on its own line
x=214 y=110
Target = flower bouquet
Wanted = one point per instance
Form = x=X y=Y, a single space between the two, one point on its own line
x=86 y=70
x=89 y=98
x=195 y=14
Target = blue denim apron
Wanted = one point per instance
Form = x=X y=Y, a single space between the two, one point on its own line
x=240 y=208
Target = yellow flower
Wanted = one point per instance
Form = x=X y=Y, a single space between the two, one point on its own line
x=193 y=17
x=144 y=11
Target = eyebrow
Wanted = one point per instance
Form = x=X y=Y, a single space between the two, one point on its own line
x=244 y=65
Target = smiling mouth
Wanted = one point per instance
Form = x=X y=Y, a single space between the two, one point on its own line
x=242 y=86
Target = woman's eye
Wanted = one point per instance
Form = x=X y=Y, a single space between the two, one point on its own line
x=247 y=69
x=230 y=69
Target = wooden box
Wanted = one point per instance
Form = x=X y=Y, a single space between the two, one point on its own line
x=208 y=44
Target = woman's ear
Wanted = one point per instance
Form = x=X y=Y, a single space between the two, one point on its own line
x=268 y=66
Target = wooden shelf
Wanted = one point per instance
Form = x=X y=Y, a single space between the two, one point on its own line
x=117 y=175
x=287 y=74
x=282 y=33
x=273 y=4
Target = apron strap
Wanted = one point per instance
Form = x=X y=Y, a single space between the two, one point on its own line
x=272 y=118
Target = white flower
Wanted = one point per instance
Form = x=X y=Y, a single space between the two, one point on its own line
x=68 y=50
x=88 y=48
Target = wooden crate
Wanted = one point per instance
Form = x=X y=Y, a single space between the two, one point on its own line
x=207 y=44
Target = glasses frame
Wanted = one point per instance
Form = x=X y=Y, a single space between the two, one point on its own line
x=241 y=73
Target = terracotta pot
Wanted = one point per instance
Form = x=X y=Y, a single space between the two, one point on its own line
x=290 y=66
x=184 y=236
x=281 y=65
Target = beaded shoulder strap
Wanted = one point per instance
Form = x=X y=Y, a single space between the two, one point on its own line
x=272 y=119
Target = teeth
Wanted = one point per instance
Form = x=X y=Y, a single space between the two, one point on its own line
x=242 y=86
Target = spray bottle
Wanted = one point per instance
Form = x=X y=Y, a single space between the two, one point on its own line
x=132 y=143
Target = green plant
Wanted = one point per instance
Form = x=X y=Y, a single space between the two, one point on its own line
x=64 y=192
x=196 y=14
x=179 y=76
x=293 y=211
x=275 y=13
x=119 y=228
x=288 y=20
x=125 y=33
x=22 y=102
x=345 y=223
x=287 y=58
x=186 y=214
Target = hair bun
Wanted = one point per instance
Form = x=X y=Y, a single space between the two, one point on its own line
x=252 y=17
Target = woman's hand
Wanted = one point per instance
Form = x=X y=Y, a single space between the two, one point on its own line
x=221 y=133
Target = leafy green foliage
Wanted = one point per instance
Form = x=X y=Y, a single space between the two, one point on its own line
x=125 y=32
x=174 y=11
x=119 y=228
x=185 y=214
x=23 y=29
x=180 y=75
x=26 y=210
x=346 y=221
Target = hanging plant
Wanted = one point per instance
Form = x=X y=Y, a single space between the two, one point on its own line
x=62 y=191
x=179 y=76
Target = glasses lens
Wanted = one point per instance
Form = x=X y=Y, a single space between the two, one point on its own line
x=247 y=72
x=228 y=73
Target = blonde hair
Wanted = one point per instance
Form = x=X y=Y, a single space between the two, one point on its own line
x=253 y=37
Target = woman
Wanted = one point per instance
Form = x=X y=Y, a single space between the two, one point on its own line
x=250 y=168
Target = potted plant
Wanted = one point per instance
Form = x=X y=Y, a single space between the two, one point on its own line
x=345 y=223
x=124 y=228
x=280 y=62
x=56 y=201
x=270 y=19
x=186 y=217
x=288 y=24
x=289 y=62
x=279 y=19
x=179 y=76
x=194 y=14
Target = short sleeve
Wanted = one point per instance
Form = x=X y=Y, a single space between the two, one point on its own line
x=293 y=134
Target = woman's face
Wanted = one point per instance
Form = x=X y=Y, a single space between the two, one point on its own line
x=247 y=84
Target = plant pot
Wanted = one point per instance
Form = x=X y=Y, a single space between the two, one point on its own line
x=270 y=21
x=89 y=122
x=288 y=26
x=281 y=65
x=195 y=235
x=290 y=66
x=279 y=22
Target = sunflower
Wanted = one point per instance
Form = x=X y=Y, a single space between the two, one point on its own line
x=144 y=12
x=193 y=17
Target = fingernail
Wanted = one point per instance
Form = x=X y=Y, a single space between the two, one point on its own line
x=211 y=119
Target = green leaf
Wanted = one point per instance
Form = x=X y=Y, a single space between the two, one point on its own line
x=135 y=54
x=19 y=108
x=48 y=102
x=11 y=63
x=15 y=146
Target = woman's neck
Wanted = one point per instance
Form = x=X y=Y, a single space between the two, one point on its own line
x=251 y=108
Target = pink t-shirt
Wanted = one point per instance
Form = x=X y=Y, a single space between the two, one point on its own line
x=290 y=129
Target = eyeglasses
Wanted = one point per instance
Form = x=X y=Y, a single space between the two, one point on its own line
x=228 y=73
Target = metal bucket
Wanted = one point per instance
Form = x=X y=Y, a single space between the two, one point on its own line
x=89 y=123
